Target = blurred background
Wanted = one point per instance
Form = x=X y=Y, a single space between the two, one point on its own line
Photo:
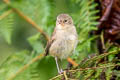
x=21 y=41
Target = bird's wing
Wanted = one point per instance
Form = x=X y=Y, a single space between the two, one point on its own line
x=49 y=43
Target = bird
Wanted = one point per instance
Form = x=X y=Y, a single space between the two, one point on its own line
x=64 y=39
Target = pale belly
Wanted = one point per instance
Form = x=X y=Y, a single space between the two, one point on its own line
x=62 y=48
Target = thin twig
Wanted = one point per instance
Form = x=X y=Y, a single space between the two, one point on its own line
x=28 y=20
x=102 y=40
x=26 y=66
x=5 y=14
x=84 y=69
x=32 y=22
x=56 y=77
x=72 y=62
x=65 y=75
x=93 y=68
x=98 y=57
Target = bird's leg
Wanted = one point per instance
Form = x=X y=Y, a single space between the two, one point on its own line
x=61 y=70
x=58 y=68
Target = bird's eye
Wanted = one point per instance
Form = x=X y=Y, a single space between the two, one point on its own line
x=65 y=20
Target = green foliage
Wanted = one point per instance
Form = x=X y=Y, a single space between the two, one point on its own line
x=29 y=43
x=36 y=43
x=6 y=27
x=9 y=67
x=85 y=23
x=38 y=10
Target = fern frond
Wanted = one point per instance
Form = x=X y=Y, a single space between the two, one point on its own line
x=86 y=22
x=38 y=10
x=8 y=68
x=6 y=27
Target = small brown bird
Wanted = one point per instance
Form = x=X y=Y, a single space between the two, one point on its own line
x=64 y=39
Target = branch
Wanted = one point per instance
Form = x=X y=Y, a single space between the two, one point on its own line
x=86 y=63
x=72 y=62
x=26 y=66
x=65 y=75
x=81 y=69
x=91 y=59
x=32 y=22
x=28 y=20
x=84 y=69
x=93 y=68
x=5 y=14
x=54 y=78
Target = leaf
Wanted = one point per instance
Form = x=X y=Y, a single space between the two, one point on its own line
x=6 y=27
x=13 y=63
x=36 y=44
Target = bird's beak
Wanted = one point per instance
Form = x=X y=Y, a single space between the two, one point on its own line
x=62 y=24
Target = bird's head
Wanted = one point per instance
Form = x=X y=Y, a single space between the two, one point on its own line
x=64 y=20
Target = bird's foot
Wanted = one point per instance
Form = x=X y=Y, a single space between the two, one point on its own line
x=61 y=71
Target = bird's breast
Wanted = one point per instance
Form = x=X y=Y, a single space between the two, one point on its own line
x=63 y=46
